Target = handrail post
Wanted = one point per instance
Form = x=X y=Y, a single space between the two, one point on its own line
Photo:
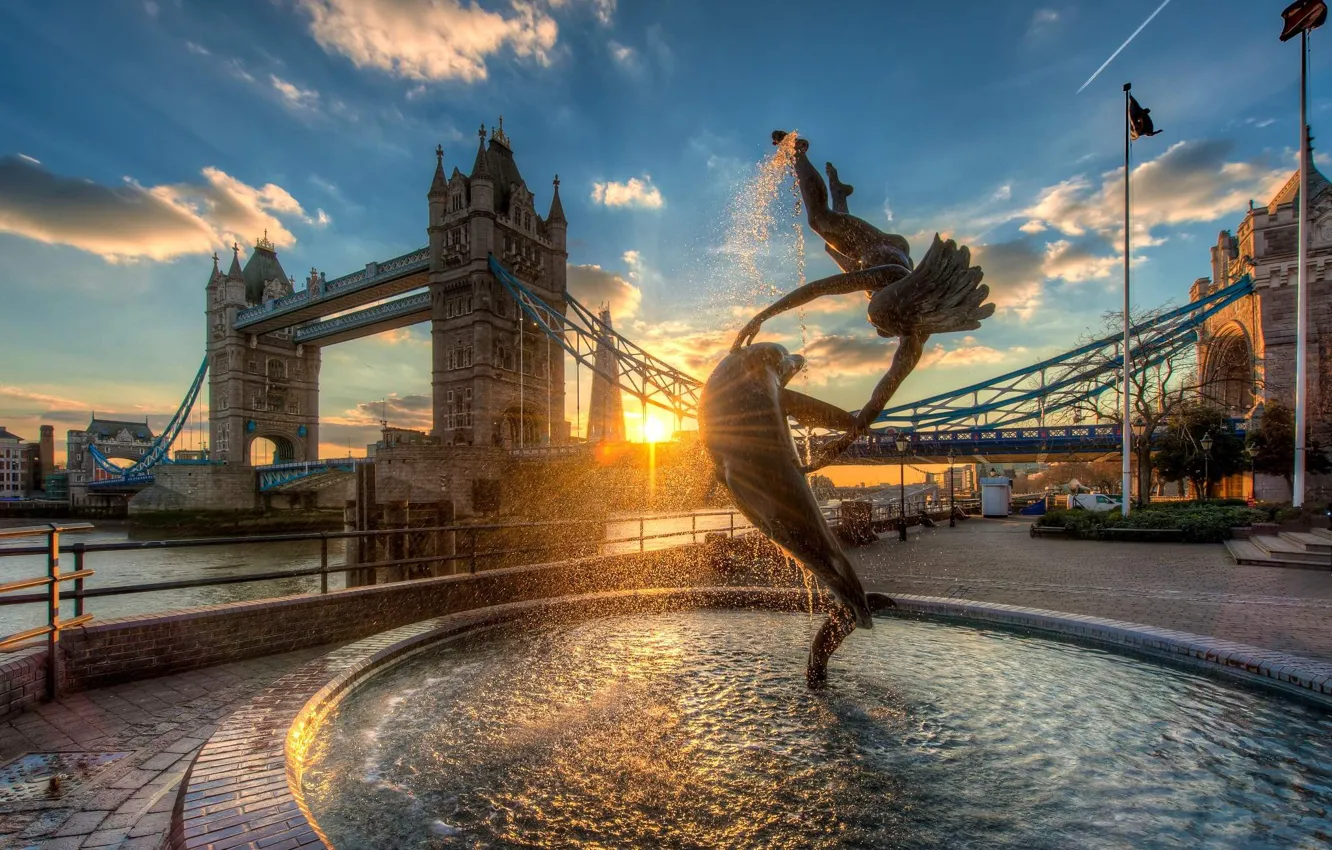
x=641 y=532
x=473 y=559
x=732 y=520
x=78 y=582
x=693 y=528
x=53 y=612
x=323 y=562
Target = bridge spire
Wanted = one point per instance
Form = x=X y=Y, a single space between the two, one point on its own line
x=481 y=168
x=438 y=186
x=235 y=270
x=556 y=214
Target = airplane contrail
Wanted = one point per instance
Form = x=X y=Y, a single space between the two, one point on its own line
x=1125 y=44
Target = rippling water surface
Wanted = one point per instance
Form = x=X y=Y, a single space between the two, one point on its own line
x=696 y=730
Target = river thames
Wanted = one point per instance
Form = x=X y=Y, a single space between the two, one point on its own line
x=236 y=559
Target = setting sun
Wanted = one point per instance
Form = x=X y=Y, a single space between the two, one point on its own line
x=657 y=430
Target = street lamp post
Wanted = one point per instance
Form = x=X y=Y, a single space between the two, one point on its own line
x=1299 y=18
x=952 y=491
x=1139 y=434
x=1206 y=443
x=901 y=486
x=1251 y=453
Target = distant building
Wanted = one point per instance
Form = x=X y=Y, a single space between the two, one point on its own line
x=965 y=476
x=13 y=465
x=39 y=460
x=400 y=437
x=115 y=438
x=55 y=486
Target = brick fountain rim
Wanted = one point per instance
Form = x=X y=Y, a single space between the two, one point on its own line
x=244 y=788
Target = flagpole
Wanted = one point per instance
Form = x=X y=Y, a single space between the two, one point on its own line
x=1125 y=431
x=1302 y=287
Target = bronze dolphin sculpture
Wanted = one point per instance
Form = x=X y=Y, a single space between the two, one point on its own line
x=743 y=420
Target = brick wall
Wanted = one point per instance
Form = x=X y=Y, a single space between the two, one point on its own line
x=105 y=652
x=197 y=488
x=22 y=680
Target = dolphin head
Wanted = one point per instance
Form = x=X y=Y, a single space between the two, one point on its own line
x=761 y=357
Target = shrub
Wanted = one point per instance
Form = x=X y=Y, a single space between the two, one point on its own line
x=1198 y=522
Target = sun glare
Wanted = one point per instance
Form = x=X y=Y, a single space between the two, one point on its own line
x=657 y=430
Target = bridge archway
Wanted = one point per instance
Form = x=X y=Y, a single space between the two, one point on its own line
x=1229 y=373
x=270 y=448
x=521 y=427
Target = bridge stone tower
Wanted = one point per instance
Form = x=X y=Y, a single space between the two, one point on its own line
x=1246 y=352
x=496 y=379
x=259 y=386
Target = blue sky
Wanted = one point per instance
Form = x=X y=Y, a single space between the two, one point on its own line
x=136 y=138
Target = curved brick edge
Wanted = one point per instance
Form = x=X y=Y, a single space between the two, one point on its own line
x=1303 y=677
x=244 y=788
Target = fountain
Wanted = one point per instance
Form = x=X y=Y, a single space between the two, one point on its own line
x=677 y=717
x=745 y=403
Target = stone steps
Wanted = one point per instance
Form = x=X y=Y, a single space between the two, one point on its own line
x=1309 y=541
x=1274 y=551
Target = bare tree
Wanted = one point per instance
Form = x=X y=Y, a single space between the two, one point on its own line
x=1159 y=389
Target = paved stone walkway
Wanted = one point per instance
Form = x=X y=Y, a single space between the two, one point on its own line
x=164 y=721
x=1191 y=587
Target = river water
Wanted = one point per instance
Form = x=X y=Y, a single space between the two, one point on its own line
x=233 y=559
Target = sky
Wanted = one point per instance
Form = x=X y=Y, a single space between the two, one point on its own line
x=137 y=137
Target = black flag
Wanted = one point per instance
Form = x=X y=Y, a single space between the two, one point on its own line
x=1139 y=120
x=1302 y=15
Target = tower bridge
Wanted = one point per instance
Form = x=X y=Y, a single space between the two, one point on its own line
x=491 y=281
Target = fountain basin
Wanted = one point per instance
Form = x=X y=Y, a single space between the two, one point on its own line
x=269 y=767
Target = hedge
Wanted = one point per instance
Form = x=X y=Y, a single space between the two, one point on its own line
x=1200 y=523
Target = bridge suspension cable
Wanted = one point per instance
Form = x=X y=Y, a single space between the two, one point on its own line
x=578 y=330
x=160 y=449
x=1023 y=396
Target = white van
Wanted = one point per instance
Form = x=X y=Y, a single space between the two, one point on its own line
x=1094 y=502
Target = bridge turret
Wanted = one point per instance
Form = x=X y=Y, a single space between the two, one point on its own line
x=482 y=182
x=438 y=198
x=556 y=224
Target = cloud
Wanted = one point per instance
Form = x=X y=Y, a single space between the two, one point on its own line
x=969 y=353
x=845 y=355
x=151 y=8
x=195 y=47
x=21 y=401
x=432 y=40
x=631 y=193
x=1003 y=193
x=409 y=411
x=626 y=57
x=1191 y=182
x=293 y=95
x=238 y=70
x=594 y=286
x=1042 y=22
x=132 y=222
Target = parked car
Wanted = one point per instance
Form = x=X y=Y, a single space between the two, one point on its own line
x=1093 y=502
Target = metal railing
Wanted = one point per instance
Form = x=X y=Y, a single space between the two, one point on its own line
x=51 y=582
x=464 y=546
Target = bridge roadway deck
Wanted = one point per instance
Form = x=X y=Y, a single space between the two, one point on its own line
x=1195 y=588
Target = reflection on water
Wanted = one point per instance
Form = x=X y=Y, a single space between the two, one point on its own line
x=149 y=565
x=696 y=730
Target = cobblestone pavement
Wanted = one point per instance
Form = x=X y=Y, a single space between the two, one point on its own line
x=1192 y=587
x=160 y=722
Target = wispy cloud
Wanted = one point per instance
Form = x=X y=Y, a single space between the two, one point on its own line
x=197 y=49
x=634 y=192
x=293 y=95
